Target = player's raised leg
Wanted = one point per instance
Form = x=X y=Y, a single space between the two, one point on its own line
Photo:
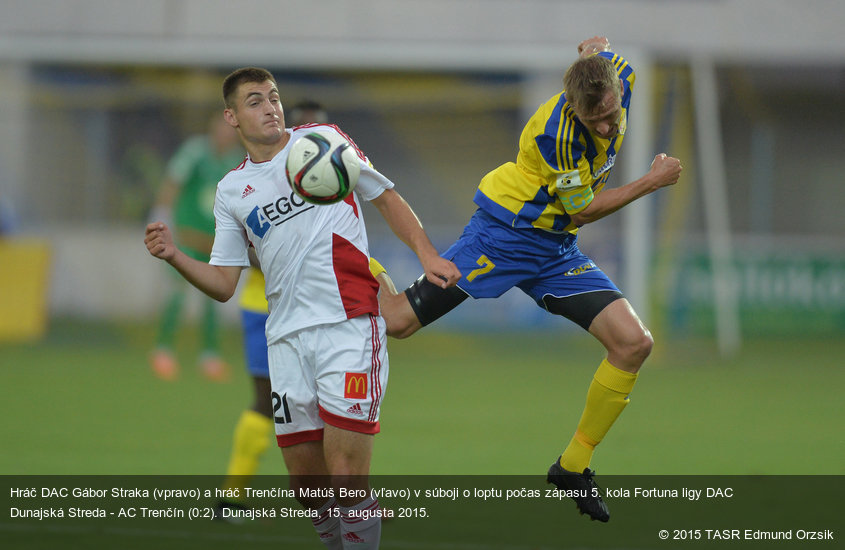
x=398 y=315
x=420 y=304
x=628 y=343
x=385 y=283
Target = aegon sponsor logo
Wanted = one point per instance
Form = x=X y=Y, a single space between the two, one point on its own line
x=276 y=213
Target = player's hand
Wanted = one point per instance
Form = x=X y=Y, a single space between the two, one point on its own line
x=665 y=170
x=441 y=272
x=593 y=45
x=159 y=241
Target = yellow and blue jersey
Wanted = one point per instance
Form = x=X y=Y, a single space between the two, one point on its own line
x=560 y=166
x=253 y=297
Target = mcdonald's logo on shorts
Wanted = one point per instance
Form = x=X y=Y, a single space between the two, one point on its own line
x=356 y=386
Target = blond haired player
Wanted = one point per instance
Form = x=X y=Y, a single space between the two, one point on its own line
x=524 y=234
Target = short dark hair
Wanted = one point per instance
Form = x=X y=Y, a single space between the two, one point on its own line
x=588 y=80
x=241 y=76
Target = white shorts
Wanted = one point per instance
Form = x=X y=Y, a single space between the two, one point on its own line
x=329 y=374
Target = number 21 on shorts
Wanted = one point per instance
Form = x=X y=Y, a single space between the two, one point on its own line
x=486 y=267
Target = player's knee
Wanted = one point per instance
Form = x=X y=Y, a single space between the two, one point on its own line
x=346 y=467
x=423 y=303
x=645 y=344
x=629 y=351
x=639 y=346
x=349 y=468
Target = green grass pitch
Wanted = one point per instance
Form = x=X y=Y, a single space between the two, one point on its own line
x=83 y=402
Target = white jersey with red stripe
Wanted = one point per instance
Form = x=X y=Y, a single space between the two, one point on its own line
x=315 y=258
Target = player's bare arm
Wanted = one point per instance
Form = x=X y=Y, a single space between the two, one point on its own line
x=405 y=224
x=218 y=282
x=665 y=171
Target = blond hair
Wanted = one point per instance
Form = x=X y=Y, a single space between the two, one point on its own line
x=588 y=80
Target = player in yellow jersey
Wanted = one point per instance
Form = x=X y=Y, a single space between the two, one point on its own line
x=524 y=235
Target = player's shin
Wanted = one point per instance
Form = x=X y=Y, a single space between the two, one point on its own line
x=251 y=440
x=606 y=398
x=327 y=525
x=360 y=524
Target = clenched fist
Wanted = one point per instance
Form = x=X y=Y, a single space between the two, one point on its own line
x=593 y=45
x=665 y=170
x=159 y=241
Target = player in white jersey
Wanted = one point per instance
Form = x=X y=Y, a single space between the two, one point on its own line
x=328 y=362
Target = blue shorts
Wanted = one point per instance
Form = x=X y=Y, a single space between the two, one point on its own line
x=493 y=258
x=255 y=343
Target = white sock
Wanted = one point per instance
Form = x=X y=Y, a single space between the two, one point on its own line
x=361 y=530
x=327 y=525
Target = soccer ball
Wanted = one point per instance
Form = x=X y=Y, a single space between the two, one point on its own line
x=322 y=168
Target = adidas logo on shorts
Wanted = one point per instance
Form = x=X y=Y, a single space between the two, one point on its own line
x=352 y=536
x=355 y=409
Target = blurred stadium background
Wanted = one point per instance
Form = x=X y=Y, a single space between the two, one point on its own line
x=739 y=269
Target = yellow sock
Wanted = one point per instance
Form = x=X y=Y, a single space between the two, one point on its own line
x=385 y=283
x=251 y=439
x=606 y=398
x=376 y=268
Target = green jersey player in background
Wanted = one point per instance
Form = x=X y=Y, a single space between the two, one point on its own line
x=187 y=198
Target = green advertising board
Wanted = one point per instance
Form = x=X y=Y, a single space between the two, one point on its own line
x=777 y=294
